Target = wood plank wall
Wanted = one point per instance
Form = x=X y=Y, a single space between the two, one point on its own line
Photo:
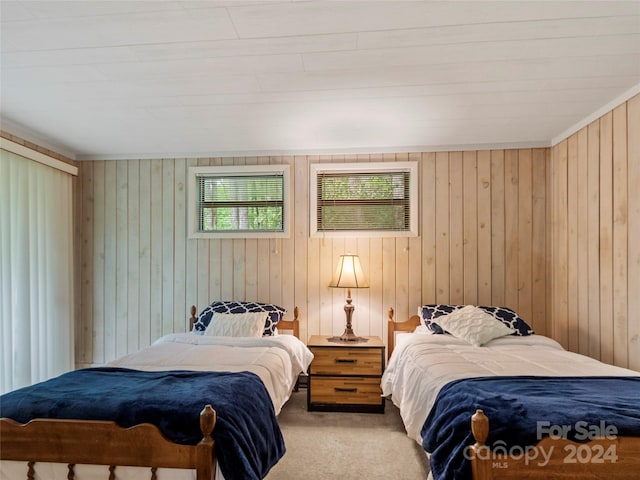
x=483 y=240
x=595 y=238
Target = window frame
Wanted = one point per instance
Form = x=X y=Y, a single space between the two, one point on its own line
x=317 y=169
x=238 y=171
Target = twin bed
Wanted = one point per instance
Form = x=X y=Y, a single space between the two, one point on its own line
x=552 y=413
x=197 y=405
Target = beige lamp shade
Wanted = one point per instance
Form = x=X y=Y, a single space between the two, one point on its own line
x=349 y=273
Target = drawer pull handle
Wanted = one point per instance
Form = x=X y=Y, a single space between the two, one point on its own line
x=345 y=390
x=346 y=360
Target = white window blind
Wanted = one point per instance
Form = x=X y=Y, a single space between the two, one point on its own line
x=378 y=199
x=241 y=202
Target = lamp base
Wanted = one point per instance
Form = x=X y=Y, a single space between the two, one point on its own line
x=349 y=336
x=347 y=339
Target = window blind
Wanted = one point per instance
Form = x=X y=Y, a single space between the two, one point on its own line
x=358 y=201
x=242 y=203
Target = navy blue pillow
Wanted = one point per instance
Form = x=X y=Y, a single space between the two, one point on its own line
x=276 y=314
x=507 y=316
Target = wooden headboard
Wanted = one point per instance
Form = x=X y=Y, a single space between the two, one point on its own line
x=291 y=325
x=393 y=327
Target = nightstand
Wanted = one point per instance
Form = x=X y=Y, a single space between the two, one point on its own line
x=345 y=376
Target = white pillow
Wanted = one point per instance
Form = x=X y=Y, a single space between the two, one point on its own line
x=421 y=329
x=473 y=325
x=250 y=324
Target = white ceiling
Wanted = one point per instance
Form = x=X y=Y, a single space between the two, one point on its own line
x=133 y=79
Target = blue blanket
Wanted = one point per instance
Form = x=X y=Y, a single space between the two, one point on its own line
x=248 y=439
x=515 y=405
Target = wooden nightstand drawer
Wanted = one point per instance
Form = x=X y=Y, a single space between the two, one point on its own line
x=343 y=390
x=345 y=376
x=345 y=361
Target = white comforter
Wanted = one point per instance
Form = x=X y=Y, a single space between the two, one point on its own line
x=422 y=364
x=276 y=360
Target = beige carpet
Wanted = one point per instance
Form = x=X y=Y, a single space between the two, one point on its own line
x=365 y=446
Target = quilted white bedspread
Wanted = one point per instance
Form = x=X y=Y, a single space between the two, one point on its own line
x=422 y=364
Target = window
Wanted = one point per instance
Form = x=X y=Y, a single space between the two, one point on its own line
x=240 y=201
x=375 y=199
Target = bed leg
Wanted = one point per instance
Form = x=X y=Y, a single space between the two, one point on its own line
x=479 y=452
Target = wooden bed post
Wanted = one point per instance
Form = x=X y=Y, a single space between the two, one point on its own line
x=390 y=332
x=479 y=452
x=205 y=464
x=192 y=319
x=296 y=323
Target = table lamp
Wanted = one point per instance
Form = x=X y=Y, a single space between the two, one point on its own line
x=349 y=275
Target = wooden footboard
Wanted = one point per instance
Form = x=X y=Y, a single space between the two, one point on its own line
x=96 y=442
x=611 y=459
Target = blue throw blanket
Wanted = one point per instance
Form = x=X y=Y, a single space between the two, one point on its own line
x=248 y=439
x=516 y=404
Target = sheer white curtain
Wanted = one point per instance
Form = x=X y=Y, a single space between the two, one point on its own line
x=36 y=272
